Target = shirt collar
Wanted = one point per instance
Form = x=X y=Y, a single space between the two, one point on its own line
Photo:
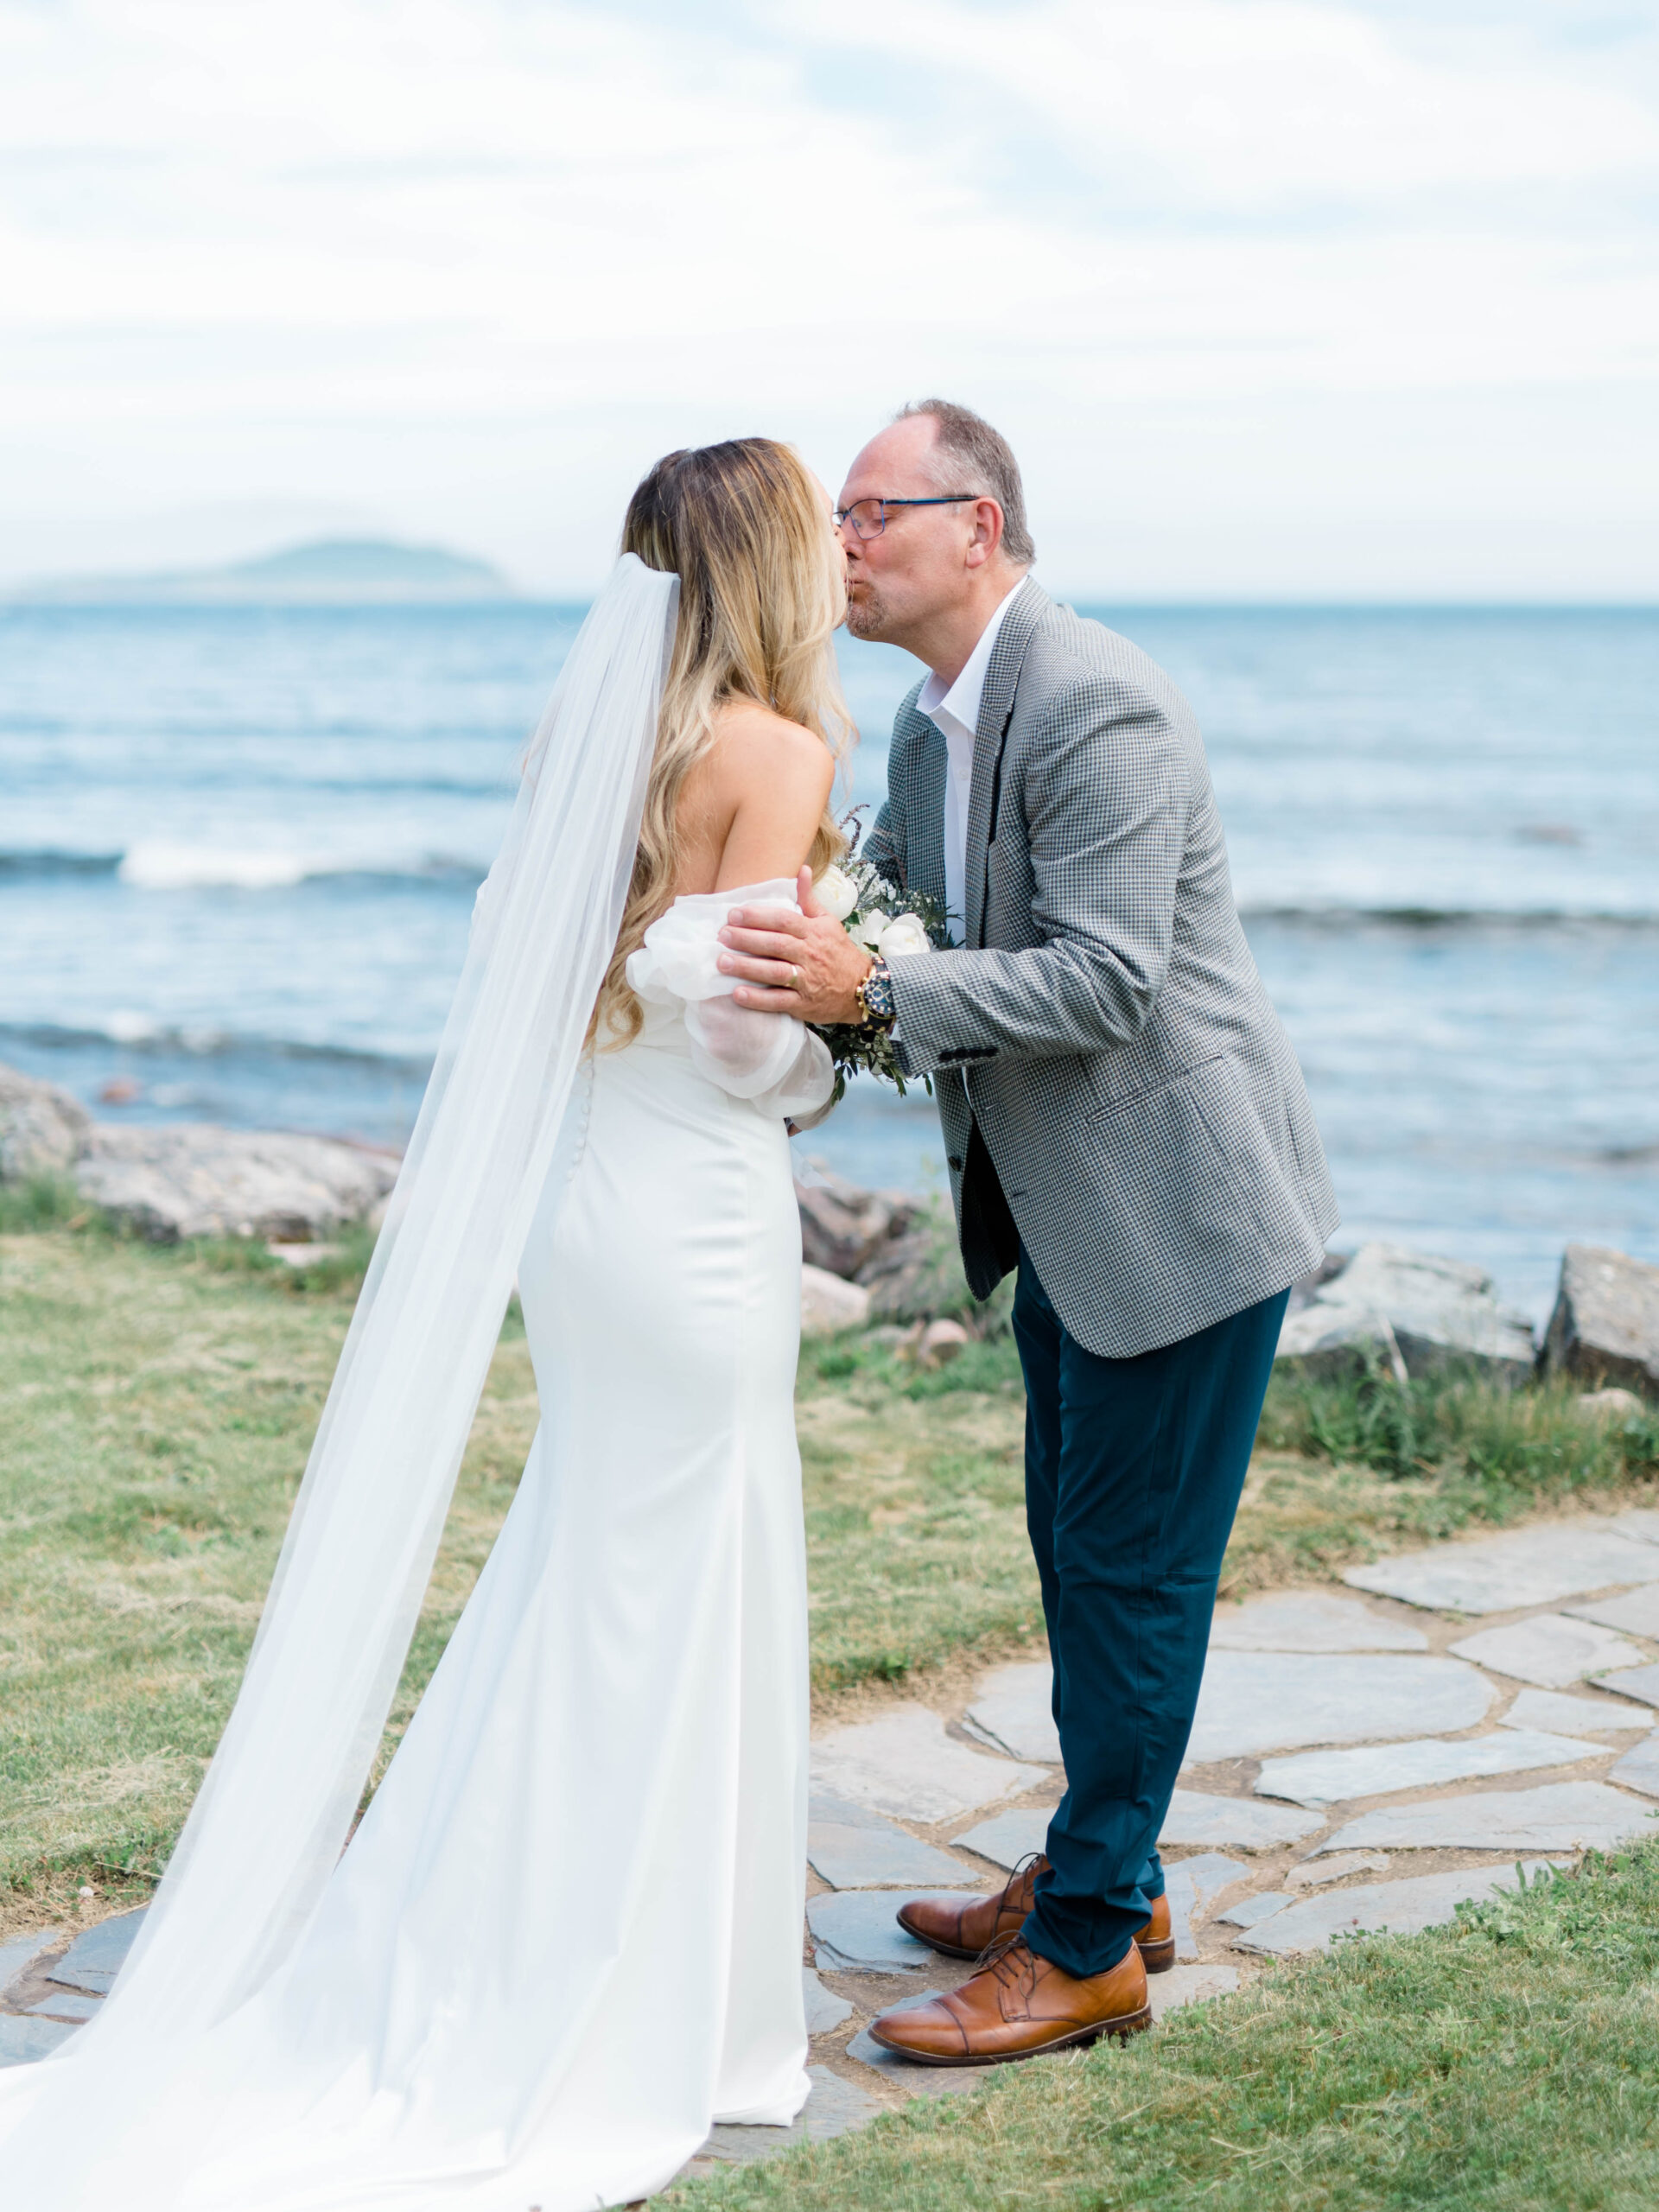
x=961 y=700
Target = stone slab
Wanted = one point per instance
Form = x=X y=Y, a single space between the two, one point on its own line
x=903 y=2073
x=1310 y=1620
x=71 y=2005
x=1556 y=1816
x=1402 y=1908
x=1262 y=1906
x=1499 y=1574
x=1189 y=1985
x=1636 y=1611
x=1316 y=1873
x=1572 y=1716
x=1636 y=1682
x=19 y=1953
x=1549 y=1650
x=865 y=1858
x=1014 y=1710
x=1639 y=1768
x=1196 y=1817
x=22 y=2040
x=94 y=1959
x=1009 y=1837
x=1257 y=1701
x=1189 y=1885
x=1640 y=1521
x=1375 y=1769
x=906 y=1764
x=834 y=2106
x=824 y=2009
x=855 y=1932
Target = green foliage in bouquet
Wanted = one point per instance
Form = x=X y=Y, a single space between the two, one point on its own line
x=899 y=925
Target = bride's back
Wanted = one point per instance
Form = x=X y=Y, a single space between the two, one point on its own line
x=753 y=719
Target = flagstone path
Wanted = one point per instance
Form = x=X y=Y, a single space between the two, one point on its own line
x=1358 y=1762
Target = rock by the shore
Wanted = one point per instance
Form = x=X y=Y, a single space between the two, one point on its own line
x=1605 y=1329
x=829 y=1305
x=843 y=1227
x=43 y=1131
x=1415 y=1311
x=187 y=1179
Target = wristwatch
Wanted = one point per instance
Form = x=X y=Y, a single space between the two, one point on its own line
x=874 y=996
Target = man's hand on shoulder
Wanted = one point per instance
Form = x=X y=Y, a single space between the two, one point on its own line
x=802 y=964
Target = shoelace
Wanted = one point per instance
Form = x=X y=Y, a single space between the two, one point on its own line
x=998 y=1944
x=993 y=1960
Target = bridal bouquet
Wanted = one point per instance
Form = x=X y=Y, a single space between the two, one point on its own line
x=899 y=926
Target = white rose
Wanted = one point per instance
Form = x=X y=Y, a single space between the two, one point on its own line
x=903 y=935
x=870 y=929
x=835 y=893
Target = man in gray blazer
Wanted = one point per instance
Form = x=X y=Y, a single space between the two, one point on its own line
x=1126 y=1126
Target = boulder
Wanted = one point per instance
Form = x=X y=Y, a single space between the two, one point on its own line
x=829 y=1305
x=1606 y=1325
x=43 y=1131
x=843 y=1227
x=193 y=1179
x=1415 y=1311
x=940 y=1342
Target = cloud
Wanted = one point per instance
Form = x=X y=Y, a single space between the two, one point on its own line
x=466 y=262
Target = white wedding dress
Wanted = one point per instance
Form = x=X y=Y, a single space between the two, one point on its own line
x=567 y=1935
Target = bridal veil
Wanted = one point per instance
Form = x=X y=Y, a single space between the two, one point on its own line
x=277 y=1805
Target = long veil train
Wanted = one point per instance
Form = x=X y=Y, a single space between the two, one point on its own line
x=275 y=1809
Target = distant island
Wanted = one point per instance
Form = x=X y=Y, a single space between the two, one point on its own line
x=328 y=572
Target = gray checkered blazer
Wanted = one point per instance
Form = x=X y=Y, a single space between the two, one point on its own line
x=1104 y=1024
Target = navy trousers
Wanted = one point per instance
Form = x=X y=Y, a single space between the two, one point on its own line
x=1134 y=1469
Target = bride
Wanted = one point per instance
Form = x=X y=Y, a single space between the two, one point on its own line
x=566 y=1936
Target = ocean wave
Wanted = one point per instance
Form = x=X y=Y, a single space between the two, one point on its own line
x=140 y=1033
x=1338 y=917
x=51 y=863
x=156 y=864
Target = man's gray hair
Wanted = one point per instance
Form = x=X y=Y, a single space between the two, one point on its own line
x=984 y=457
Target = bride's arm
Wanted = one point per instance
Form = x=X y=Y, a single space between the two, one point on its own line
x=760 y=791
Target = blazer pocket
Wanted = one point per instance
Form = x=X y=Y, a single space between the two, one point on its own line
x=1147 y=1091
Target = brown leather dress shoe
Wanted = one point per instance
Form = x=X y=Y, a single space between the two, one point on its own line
x=963 y=1929
x=1017 y=2006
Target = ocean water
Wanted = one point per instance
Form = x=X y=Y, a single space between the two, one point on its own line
x=238 y=849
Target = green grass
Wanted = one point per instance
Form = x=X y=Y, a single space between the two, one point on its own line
x=1507 y=2063
x=159 y=1402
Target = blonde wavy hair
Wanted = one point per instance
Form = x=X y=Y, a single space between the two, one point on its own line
x=762 y=592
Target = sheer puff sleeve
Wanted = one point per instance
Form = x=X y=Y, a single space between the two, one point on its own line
x=773 y=1061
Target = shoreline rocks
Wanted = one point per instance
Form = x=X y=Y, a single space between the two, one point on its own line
x=183 y=1180
x=1604 y=1330
x=1416 y=1312
x=43 y=1131
x=173 y=1180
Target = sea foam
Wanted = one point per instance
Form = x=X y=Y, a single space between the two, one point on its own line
x=155 y=866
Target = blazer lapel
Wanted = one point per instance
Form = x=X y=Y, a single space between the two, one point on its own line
x=995 y=710
x=925 y=813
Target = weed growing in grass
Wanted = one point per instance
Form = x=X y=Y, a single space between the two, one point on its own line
x=1506 y=1448
x=42 y=1202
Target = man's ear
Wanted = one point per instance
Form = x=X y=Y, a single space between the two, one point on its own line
x=987 y=533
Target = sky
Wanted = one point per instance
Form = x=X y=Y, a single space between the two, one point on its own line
x=1276 y=299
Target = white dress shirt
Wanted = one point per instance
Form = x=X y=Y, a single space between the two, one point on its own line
x=954 y=711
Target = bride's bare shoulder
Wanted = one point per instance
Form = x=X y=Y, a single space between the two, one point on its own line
x=754 y=742
x=759 y=791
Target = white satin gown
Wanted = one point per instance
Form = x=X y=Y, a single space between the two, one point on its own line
x=567 y=1936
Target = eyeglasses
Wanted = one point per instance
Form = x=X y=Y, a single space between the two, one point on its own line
x=869 y=516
